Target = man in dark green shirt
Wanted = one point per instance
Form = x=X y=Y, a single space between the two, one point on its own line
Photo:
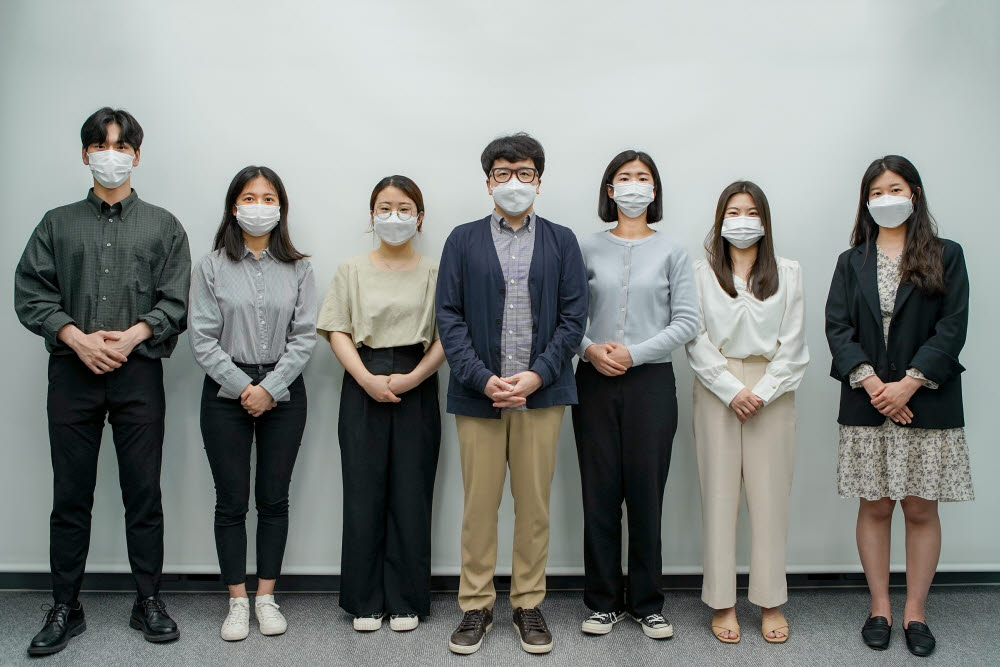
x=105 y=282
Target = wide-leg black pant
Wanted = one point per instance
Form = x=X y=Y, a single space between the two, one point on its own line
x=624 y=428
x=78 y=400
x=389 y=454
x=229 y=432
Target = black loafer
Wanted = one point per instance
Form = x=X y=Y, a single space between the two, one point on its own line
x=62 y=622
x=150 y=616
x=876 y=632
x=919 y=639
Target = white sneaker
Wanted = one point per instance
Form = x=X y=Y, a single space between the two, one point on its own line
x=237 y=624
x=368 y=623
x=403 y=622
x=655 y=626
x=272 y=621
x=600 y=623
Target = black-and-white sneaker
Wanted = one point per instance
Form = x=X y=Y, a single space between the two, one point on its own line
x=655 y=626
x=403 y=622
x=600 y=623
x=369 y=623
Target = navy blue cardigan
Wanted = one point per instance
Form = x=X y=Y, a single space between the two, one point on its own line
x=469 y=305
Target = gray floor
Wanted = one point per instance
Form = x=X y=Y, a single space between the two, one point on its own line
x=825 y=631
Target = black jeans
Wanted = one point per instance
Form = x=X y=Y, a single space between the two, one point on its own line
x=389 y=454
x=78 y=400
x=624 y=428
x=229 y=432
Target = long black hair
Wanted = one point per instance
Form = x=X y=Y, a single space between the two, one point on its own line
x=922 y=264
x=607 y=210
x=763 y=279
x=229 y=237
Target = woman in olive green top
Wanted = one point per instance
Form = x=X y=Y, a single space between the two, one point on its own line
x=379 y=317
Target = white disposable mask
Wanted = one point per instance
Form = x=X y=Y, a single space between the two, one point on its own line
x=514 y=196
x=632 y=197
x=742 y=231
x=258 y=219
x=394 y=230
x=110 y=168
x=890 y=211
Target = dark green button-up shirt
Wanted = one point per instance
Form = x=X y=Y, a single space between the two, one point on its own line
x=105 y=268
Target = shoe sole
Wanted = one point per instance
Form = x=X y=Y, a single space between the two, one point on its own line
x=469 y=650
x=273 y=634
x=154 y=639
x=532 y=648
x=235 y=639
x=372 y=628
x=49 y=650
x=404 y=627
x=594 y=629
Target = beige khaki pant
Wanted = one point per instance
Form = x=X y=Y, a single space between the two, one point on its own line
x=526 y=441
x=760 y=457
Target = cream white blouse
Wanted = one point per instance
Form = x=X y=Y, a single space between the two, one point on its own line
x=745 y=326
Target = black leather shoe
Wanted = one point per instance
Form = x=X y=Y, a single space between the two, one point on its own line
x=919 y=639
x=150 y=616
x=531 y=628
x=62 y=622
x=468 y=637
x=876 y=632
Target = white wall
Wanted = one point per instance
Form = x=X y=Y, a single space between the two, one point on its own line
x=798 y=97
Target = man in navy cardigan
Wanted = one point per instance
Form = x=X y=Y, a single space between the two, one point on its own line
x=511 y=309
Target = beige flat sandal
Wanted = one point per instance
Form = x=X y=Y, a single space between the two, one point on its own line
x=779 y=624
x=717 y=627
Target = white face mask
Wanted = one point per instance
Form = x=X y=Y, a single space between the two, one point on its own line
x=514 y=197
x=395 y=229
x=633 y=197
x=742 y=231
x=110 y=168
x=258 y=219
x=890 y=211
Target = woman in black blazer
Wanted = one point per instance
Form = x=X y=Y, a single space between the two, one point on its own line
x=896 y=320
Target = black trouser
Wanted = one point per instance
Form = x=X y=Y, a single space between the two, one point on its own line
x=624 y=430
x=389 y=454
x=229 y=431
x=78 y=399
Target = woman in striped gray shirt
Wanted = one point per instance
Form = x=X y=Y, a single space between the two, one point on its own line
x=252 y=322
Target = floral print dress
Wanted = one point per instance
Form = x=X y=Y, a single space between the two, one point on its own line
x=891 y=461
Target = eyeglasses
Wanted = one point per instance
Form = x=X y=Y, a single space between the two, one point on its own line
x=403 y=215
x=503 y=174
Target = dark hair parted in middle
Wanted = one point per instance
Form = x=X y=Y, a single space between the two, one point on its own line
x=763 y=279
x=922 y=264
x=513 y=148
x=405 y=184
x=230 y=234
x=95 y=128
x=607 y=210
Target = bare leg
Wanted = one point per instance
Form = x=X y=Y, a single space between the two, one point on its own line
x=772 y=612
x=265 y=586
x=874 y=536
x=238 y=591
x=923 y=548
x=725 y=617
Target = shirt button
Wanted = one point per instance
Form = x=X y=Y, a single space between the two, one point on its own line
x=513 y=257
x=258 y=274
x=104 y=298
x=510 y=356
x=264 y=346
x=109 y=245
x=512 y=306
x=510 y=331
x=511 y=282
x=623 y=309
x=107 y=270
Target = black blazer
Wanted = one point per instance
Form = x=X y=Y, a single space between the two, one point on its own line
x=925 y=333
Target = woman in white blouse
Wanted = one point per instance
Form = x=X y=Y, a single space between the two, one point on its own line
x=749 y=357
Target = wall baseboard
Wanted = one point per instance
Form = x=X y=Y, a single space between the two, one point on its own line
x=318 y=583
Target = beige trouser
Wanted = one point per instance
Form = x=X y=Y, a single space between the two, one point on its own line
x=526 y=440
x=760 y=455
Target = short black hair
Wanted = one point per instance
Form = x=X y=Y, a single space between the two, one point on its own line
x=607 y=210
x=515 y=147
x=95 y=128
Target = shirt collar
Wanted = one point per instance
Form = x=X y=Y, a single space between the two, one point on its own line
x=501 y=223
x=99 y=205
x=266 y=252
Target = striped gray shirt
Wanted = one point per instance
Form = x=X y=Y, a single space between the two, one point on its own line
x=255 y=311
x=514 y=250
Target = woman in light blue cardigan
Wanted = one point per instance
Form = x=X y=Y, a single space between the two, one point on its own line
x=643 y=306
